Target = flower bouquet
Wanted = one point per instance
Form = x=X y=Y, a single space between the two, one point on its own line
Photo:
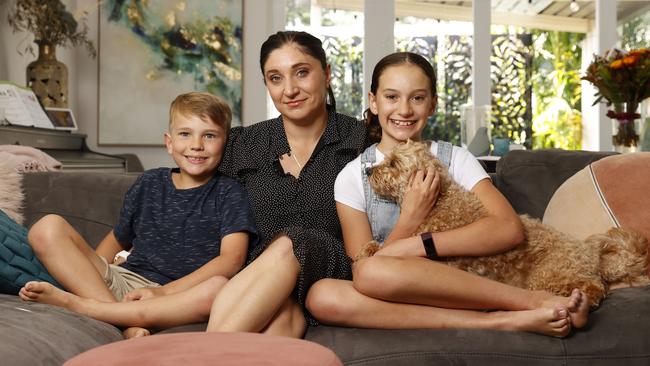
x=622 y=79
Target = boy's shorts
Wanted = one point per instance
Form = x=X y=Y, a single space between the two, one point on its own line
x=122 y=281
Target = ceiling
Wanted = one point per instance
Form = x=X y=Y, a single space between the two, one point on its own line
x=586 y=10
x=540 y=14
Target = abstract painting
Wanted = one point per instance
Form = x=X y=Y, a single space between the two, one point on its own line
x=151 y=51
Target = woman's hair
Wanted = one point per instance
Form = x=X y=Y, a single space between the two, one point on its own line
x=203 y=105
x=307 y=44
x=373 y=128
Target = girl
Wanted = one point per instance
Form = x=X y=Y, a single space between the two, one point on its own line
x=399 y=287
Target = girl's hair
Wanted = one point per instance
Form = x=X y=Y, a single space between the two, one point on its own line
x=373 y=128
x=307 y=44
x=203 y=105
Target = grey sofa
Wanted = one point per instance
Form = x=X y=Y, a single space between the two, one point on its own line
x=618 y=332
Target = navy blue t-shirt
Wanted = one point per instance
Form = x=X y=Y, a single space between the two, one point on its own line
x=175 y=231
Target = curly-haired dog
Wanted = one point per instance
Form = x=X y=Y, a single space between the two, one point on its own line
x=546 y=260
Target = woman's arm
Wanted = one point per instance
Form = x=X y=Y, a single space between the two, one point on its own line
x=497 y=232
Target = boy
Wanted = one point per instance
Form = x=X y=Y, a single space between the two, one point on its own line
x=182 y=225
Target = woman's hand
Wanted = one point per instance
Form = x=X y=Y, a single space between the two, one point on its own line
x=420 y=196
x=143 y=293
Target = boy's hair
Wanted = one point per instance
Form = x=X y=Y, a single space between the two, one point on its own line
x=202 y=105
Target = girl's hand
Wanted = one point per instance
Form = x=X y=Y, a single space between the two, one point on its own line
x=420 y=196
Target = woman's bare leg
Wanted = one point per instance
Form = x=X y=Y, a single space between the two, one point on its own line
x=416 y=280
x=252 y=298
x=289 y=321
x=337 y=302
x=69 y=258
x=190 y=306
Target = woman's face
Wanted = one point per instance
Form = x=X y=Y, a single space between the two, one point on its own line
x=297 y=84
x=403 y=103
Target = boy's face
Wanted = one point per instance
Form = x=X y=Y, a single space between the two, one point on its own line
x=196 y=146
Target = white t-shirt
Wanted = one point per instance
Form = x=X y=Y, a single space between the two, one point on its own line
x=348 y=189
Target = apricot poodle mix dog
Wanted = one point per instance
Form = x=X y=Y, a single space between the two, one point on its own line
x=546 y=260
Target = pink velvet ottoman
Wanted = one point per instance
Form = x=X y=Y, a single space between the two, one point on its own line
x=186 y=349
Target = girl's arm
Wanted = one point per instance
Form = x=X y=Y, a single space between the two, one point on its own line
x=355 y=227
x=418 y=201
x=499 y=231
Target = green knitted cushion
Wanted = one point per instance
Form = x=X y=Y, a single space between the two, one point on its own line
x=18 y=264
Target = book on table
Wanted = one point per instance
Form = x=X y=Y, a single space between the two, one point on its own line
x=19 y=106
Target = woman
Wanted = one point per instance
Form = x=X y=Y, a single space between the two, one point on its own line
x=399 y=287
x=288 y=166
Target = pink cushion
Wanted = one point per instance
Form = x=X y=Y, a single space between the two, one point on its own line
x=186 y=349
x=611 y=192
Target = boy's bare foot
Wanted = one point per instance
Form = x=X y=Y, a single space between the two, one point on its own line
x=553 y=322
x=135 y=332
x=46 y=293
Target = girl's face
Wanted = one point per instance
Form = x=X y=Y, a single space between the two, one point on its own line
x=403 y=103
x=297 y=84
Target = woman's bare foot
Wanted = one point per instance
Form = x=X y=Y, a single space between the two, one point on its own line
x=135 y=332
x=553 y=322
x=577 y=303
x=46 y=293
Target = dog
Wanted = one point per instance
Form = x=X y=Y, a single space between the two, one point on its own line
x=547 y=259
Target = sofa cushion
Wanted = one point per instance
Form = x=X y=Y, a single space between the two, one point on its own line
x=38 y=334
x=90 y=202
x=226 y=349
x=612 y=192
x=528 y=178
x=18 y=264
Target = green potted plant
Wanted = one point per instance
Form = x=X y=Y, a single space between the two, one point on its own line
x=52 y=25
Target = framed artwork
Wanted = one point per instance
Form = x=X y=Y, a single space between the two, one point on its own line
x=152 y=51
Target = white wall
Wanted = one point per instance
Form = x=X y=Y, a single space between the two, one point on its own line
x=261 y=18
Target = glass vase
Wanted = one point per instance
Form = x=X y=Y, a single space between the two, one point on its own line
x=625 y=137
x=48 y=77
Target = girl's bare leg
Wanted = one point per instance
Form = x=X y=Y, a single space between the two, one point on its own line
x=190 y=306
x=337 y=302
x=251 y=299
x=68 y=258
x=416 y=280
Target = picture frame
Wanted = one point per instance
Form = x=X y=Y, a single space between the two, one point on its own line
x=62 y=118
x=149 y=52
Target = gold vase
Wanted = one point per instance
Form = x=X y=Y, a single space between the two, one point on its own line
x=48 y=77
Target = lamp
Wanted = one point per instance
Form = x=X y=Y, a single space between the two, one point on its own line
x=574 y=6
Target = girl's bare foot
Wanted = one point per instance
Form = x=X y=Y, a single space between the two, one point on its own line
x=135 y=332
x=577 y=303
x=553 y=322
x=46 y=293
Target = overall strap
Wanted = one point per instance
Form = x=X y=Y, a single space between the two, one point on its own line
x=444 y=152
x=367 y=159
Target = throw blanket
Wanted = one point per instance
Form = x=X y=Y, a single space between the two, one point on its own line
x=28 y=159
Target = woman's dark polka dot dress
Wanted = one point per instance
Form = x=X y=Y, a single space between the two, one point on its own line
x=303 y=208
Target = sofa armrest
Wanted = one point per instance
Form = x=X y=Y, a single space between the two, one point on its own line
x=90 y=202
x=528 y=178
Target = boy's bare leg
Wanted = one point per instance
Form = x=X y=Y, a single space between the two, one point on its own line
x=400 y=279
x=189 y=306
x=252 y=298
x=337 y=302
x=69 y=258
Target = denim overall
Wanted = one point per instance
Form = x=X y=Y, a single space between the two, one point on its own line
x=383 y=213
